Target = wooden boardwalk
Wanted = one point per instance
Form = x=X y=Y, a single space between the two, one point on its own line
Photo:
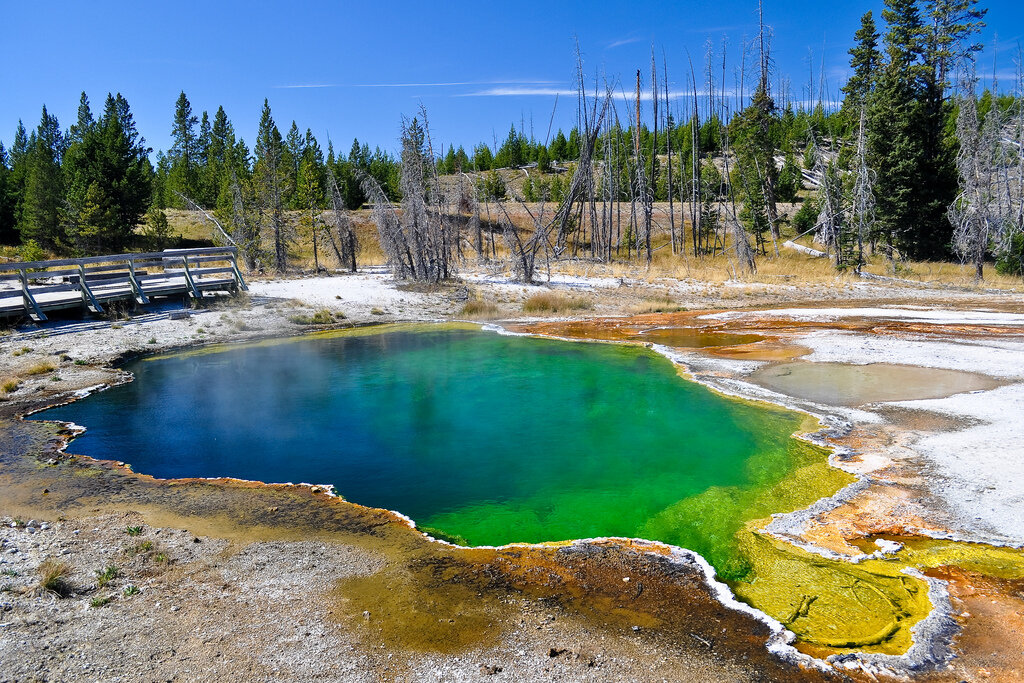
x=32 y=288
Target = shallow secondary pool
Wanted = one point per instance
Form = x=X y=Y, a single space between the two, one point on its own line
x=480 y=438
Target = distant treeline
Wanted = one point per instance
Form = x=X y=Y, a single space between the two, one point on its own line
x=892 y=167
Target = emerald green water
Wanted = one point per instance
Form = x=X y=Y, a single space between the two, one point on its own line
x=480 y=438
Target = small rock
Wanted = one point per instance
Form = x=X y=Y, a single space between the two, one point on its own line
x=490 y=669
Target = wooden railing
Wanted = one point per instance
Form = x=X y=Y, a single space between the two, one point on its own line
x=33 y=287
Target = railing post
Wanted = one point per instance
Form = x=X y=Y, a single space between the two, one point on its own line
x=238 y=273
x=140 y=295
x=87 y=298
x=31 y=307
x=193 y=290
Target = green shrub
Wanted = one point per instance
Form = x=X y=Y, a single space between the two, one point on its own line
x=806 y=217
x=1011 y=261
x=31 y=251
x=107 y=575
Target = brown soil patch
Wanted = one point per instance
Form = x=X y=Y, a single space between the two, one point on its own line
x=990 y=612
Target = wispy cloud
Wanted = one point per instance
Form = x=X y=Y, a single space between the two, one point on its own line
x=618 y=93
x=518 y=91
x=622 y=41
x=439 y=84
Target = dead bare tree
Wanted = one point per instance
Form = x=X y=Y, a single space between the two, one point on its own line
x=862 y=200
x=696 y=195
x=580 y=197
x=468 y=204
x=974 y=210
x=832 y=213
x=648 y=217
x=987 y=214
x=216 y=224
x=419 y=244
x=245 y=230
x=343 y=237
x=668 y=150
x=641 y=187
x=740 y=243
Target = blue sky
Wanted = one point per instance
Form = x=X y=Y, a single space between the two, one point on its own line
x=349 y=69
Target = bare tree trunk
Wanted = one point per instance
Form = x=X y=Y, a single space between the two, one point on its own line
x=668 y=150
x=863 y=192
x=316 y=253
x=349 y=244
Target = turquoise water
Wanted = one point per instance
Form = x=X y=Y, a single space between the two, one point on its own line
x=481 y=438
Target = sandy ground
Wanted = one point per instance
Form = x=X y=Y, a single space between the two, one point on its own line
x=215 y=602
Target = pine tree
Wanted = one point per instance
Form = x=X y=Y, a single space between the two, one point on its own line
x=462 y=163
x=865 y=60
x=184 y=153
x=84 y=123
x=908 y=145
x=347 y=173
x=559 y=148
x=19 y=163
x=292 y=158
x=44 y=191
x=206 y=191
x=953 y=24
x=8 y=232
x=309 y=192
x=109 y=182
x=483 y=160
x=270 y=178
x=755 y=148
x=511 y=153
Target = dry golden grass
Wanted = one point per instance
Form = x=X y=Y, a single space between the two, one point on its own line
x=479 y=310
x=41 y=368
x=555 y=302
x=320 y=317
x=191 y=225
x=656 y=304
x=789 y=266
x=53 y=577
x=10 y=385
